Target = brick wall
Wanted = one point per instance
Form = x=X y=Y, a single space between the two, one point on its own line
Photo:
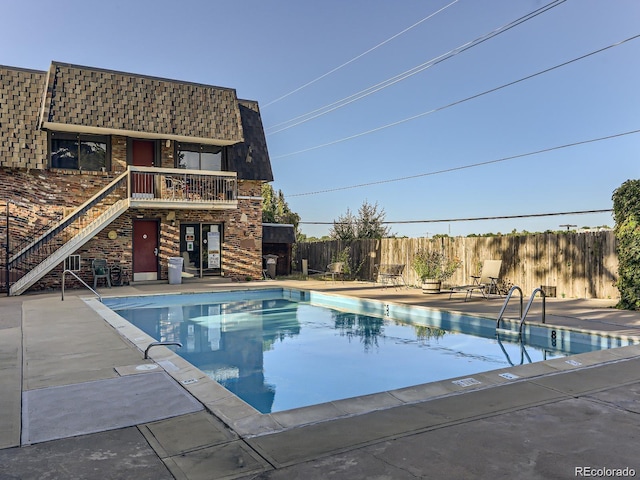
x=41 y=197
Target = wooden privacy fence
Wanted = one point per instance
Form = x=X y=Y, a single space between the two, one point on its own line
x=574 y=265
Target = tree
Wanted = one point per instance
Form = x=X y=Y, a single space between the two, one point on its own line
x=626 y=213
x=368 y=224
x=276 y=210
x=268 y=204
x=344 y=228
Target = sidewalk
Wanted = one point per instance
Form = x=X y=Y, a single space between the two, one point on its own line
x=78 y=400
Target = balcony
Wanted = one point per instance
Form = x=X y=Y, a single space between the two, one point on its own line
x=151 y=187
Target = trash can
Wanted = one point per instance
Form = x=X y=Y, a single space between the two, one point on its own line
x=272 y=261
x=175 y=270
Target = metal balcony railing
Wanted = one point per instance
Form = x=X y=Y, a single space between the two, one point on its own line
x=151 y=186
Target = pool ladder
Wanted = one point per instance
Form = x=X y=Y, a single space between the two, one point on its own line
x=157 y=344
x=523 y=313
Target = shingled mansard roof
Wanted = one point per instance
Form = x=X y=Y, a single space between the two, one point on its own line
x=91 y=100
x=72 y=98
x=251 y=158
x=22 y=145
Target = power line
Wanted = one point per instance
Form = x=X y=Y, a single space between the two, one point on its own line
x=473 y=219
x=473 y=165
x=358 y=56
x=413 y=71
x=458 y=102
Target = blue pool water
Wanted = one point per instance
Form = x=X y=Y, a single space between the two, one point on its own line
x=280 y=349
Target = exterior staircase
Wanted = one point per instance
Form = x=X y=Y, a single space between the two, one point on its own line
x=86 y=234
x=41 y=255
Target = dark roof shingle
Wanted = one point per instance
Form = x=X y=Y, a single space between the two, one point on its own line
x=104 y=100
x=251 y=158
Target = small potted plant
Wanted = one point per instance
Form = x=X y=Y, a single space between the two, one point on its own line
x=433 y=268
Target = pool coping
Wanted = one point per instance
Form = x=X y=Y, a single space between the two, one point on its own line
x=247 y=422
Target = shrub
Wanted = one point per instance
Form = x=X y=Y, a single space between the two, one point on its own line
x=435 y=265
x=626 y=213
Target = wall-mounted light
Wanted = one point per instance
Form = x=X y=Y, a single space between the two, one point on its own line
x=168 y=143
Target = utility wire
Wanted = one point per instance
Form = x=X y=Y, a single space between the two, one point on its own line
x=473 y=165
x=358 y=56
x=409 y=73
x=486 y=92
x=472 y=219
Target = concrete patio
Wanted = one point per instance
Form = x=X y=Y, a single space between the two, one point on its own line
x=80 y=401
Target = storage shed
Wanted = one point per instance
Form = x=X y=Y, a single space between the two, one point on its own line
x=278 y=239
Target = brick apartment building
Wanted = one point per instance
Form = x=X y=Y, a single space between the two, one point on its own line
x=128 y=168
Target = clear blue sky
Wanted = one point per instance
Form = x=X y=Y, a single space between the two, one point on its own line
x=266 y=50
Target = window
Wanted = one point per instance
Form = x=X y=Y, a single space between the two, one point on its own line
x=72 y=262
x=200 y=157
x=79 y=152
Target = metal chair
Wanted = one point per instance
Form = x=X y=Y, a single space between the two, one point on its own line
x=335 y=270
x=100 y=270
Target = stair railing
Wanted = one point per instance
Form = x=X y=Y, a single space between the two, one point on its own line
x=33 y=252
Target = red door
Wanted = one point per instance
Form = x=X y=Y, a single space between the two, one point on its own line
x=143 y=152
x=145 y=250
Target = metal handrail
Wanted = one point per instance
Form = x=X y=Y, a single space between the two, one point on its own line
x=506 y=302
x=81 y=281
x=523 y=351
x=155 y=344
x=526 y=310
x=523 y=313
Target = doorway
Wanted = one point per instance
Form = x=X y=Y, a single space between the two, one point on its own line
x=201 y=248
x=142 y=155
x=145 y=250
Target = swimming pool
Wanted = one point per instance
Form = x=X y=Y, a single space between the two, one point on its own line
x=279 y=349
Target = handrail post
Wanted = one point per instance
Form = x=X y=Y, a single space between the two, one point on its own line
x=81 y=281
x=128 y=181
x=506 y=302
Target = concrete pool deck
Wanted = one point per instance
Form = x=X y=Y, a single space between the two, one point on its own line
x=78 y=400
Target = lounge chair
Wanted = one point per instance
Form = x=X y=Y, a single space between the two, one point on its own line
x=335 y=270
x=486 y=283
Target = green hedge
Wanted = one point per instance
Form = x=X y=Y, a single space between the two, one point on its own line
x=626 y=212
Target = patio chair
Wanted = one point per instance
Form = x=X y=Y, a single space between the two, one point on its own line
x=335 y=270
x=175 y=188
x=389 y=273
x=100 y=269
x=486 y=283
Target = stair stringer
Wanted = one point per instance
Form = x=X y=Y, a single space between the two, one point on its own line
x=90 y=231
